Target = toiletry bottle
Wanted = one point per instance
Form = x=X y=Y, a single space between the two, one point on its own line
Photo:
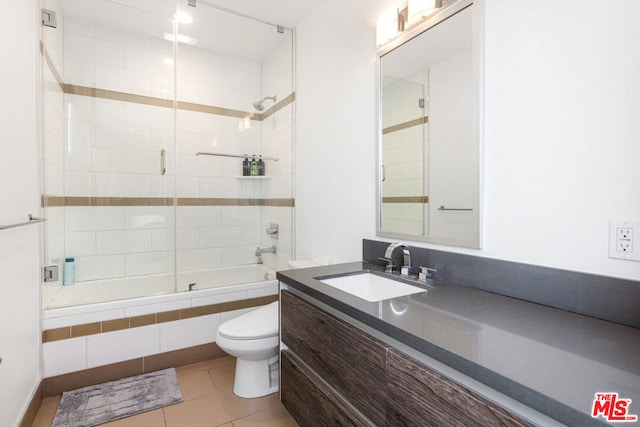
x=260 y=166
x=254 y=167
x=69 y=271
x=246 y=166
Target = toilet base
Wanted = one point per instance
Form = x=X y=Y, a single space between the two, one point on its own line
x=254 y=378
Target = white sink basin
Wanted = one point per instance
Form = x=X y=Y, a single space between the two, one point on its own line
x=371 y=287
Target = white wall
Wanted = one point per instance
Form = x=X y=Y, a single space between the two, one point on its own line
x=336 y=129
x=562 y=139
x=19 y=189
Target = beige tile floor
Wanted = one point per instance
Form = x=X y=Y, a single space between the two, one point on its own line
x=208 y=401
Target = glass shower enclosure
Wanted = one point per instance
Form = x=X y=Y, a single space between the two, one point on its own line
x=148 y=116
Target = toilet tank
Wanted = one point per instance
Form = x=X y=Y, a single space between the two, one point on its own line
x=302 y=263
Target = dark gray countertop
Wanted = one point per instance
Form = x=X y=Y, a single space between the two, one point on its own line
x=551 y=360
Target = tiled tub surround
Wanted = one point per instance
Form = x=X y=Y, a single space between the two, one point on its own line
x=511 y=351
x=110 y=112
x=124 y=241
x=90 y=336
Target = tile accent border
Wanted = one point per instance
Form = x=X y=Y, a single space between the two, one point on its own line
x=159 y=102
x=279 y=106
x=169 y=103
x=405 y=199
x=47 y=58
x=60 y=201
x=406 y=125
x=94 y=328
x=289 y=203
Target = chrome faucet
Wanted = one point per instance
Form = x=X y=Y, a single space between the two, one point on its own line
x=406 y=269
x=271 y=250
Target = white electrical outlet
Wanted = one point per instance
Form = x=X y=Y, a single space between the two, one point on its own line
x=621 y=244
x=624 y=239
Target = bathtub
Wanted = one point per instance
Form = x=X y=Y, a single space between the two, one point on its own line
x=99 y=303
x=123 y=288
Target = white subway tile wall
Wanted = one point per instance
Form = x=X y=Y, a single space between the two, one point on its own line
x=61 y=357
x=405 y=153
x=96 y=147
x=75 y=354
x=131 y=343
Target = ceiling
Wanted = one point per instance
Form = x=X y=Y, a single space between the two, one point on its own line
x=215 y=25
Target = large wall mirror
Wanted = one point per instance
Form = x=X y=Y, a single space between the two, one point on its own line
x=429 y=138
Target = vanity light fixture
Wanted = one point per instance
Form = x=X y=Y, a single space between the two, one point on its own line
x=405 y=15
x=387 y=27
x=419 y=9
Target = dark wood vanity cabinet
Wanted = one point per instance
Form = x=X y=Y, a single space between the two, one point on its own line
x=331 y=367
x=419 y=396
x=351 y=362
x=308 y=401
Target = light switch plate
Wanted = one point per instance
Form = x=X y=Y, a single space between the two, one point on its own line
x=624 y=239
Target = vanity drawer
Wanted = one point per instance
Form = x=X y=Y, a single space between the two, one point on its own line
x=419 y=396
x=307 y=401
x=350 y=361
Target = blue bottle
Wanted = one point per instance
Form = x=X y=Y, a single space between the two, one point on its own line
x=69 y=271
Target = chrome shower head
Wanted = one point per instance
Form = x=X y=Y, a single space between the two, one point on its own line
x=259 y=105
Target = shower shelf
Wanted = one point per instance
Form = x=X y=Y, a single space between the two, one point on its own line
x=253 y=177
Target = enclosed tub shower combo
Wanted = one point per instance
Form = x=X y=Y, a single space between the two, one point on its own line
x=148 y=116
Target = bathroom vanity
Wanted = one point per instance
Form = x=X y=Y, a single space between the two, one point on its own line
x=450 y=355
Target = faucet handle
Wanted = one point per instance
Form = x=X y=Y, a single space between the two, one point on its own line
x=408 y=271
x=426 y=273
x=391 y=267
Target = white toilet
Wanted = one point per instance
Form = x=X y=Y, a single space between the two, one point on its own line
x=253 y=339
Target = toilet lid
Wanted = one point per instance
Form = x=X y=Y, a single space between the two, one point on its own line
x=260 y=323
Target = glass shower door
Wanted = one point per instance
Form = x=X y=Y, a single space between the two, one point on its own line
x=235 y=102
x=404 y=156
x=109 y=150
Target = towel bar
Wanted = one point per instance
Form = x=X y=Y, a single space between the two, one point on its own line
x=32 y=220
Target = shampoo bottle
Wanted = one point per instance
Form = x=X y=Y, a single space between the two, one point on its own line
x=254 y=167
x=246 y=166
x=260 y=166
x=69 y=271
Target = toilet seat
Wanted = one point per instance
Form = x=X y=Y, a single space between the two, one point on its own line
x=260 y=323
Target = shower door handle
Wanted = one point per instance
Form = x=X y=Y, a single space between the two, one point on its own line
x=163 y=161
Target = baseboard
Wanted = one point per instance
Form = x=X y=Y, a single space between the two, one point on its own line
x=32 y=409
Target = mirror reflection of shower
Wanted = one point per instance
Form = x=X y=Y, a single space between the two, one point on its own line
x=259 y=105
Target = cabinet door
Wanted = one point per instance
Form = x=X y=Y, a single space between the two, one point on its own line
x=352 y=362
x=418 y=396
x=307 y=401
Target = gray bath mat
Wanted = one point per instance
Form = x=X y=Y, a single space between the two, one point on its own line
x=98 y=404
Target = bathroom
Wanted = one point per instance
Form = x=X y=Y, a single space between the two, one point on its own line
x=555 y=169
